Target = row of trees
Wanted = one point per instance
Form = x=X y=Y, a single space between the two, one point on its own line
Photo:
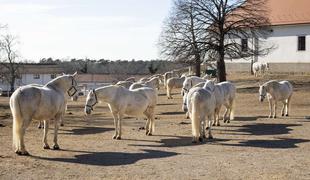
x=205 y=30
x=132 y=67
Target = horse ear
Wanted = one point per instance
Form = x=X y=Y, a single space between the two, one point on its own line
x=63 y=73
x=73 y=75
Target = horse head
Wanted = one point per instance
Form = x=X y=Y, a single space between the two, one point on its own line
x=91 y=101
x=262 y=93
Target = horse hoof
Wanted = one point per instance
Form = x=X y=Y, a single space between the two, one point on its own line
x=207 y=128
x=200 y=139
x=22 y=153
x=39 y=127
x=118 y=138
x=286 y=115
x=282 y=114
x=61 y=124
x=114 y=137
x=218 y=125
x=46 y=147
x=228 y=121
x=149 y=134
x=56 y=147
x=210 y=137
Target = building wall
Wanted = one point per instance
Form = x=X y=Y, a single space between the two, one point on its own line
x=27 y=79
x=285 y=39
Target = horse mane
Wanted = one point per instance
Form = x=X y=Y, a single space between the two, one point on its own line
x=53 y=82
x=272 y=83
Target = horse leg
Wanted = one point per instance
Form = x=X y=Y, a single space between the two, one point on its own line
x=46 y=126
x=275 y=110
x=203 y=127
x=40 y=125
x=209 y=130
x=288 y=105
x=119 y=120
x=56 y=126
x=115 y=117
x=270 y=107
x=226 y=114
x=61 y=121
x=19 y=129
x=169 y=93
x=283 y=108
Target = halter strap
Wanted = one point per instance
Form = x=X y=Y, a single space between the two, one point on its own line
x=96 y=101
x=72 y=87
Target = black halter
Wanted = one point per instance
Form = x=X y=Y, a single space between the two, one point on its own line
x=73 y=82
x=96 y=101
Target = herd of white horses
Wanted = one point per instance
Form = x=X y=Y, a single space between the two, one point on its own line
x=202 y=100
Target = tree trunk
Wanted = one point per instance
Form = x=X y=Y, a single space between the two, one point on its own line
x=12 y=85
x=197 y=65
x=221 y=69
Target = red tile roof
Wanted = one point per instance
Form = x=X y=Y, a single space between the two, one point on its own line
x=288 y=12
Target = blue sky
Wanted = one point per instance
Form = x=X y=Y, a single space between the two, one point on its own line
x=110 y=29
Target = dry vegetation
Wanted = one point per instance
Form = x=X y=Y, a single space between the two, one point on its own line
x=250 y=147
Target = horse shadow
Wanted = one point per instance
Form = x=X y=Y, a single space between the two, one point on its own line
x=179 y=141
x=279 y=143
x=248 y=118
x=261 y=129
x=86 y=130
x=111 y=158
x=172 y=113
x=166 y=104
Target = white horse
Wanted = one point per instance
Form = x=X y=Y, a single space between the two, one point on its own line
x=121 y=101
x=125 y=83
x=276 y=91
x=225 y=94
x=132 y=79
x=172 y=83
x=61 y=121
x=200 y=104
x=40 y=103
x=152 y=83
x=168 y=75
x=136 y=85
x=189 y=82
x=260 y=68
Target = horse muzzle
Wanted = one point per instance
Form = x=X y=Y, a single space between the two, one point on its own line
x=87 y=111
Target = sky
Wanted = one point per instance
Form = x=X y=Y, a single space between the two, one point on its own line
x=95 y=29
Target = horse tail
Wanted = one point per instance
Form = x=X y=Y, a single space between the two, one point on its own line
x=17 y=118
x=195 y=116
x=232 y=109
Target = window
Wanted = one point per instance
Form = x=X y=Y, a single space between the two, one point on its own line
x=36 y=76
x=244 y=45
x=53 y=76
x=301 y=43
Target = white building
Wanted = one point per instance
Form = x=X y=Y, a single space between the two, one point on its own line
x=290 y=21
x=34 y=74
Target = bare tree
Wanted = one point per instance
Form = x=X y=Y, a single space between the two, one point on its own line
x=235 y=29
x=222 y=29
x=9 y=65
x=182 y=35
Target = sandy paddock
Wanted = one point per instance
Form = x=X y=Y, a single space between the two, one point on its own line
x=250 y=147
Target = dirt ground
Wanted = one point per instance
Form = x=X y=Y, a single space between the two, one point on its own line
x=250 y=147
